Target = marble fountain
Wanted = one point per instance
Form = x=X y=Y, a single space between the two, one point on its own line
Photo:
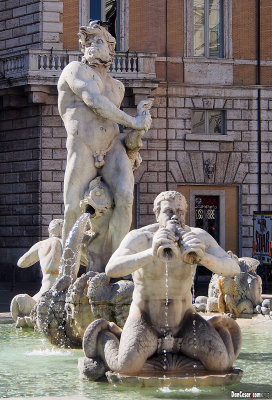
x=129 y=320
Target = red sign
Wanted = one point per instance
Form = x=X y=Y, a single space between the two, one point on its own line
x=262 y=239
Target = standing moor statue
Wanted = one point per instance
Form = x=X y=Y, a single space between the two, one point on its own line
x=89 y=104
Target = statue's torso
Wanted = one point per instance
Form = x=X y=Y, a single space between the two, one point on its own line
x=163 y=290
x=50 y=254
x=81 y=122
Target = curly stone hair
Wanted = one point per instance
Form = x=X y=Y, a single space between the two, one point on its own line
x=94 y=28
x=56 y=224
x=169 y=195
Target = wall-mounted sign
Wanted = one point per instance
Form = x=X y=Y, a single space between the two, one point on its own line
x=262 y=236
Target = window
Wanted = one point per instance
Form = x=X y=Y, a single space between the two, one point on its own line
x=208 y=122
x=207 y=28
x=106 y=10
x=207 y=214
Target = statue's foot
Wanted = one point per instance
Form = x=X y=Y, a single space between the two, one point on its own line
x=115 y=329
x=91 y=368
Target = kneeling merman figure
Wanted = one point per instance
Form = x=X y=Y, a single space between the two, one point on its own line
x=153 y=340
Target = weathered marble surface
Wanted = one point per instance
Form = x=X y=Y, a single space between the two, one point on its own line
x=65 y=311
x=71 y=304
x=48 y=252
x=162 y=259
x=239 y=294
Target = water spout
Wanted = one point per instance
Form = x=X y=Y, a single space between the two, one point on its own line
x=70 y=260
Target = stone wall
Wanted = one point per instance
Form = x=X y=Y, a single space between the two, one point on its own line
x=19 y=25
x=51 y=24
x=19 y=177
x=53 y=158
x=30 y=24
x=70 y=24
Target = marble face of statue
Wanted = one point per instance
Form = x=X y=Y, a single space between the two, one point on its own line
x=171 y=210
x=97 y=50
x=170 y=206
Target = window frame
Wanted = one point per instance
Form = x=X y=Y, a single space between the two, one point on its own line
x=206 y=122
x=222 y=206
x=207 y=31
x=122 y=25
x=226 y=29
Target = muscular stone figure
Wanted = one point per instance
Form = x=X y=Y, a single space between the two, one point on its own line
x=89 y=101
x=149 y=329
x=48 y=252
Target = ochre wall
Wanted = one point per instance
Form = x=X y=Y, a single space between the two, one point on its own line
x=147 y=26
x=70 y=24
x=244 y=29
x=244 y=38
x=147 y=33
x=244 y=74
x=266 y=30
x=175 y=28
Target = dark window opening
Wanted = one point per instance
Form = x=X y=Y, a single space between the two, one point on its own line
x=105 y=10
x=207 y=214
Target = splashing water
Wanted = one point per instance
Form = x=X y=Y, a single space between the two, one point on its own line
x=194 y=328
x=166 y=315
x=70 y=259
x=48 y=352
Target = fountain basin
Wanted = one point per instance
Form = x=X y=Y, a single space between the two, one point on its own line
x=172 y=380
x=31 y=367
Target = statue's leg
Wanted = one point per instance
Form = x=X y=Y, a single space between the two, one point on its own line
x=118 y=175
x=138 y=343
x=216 y=342
x=80 y=170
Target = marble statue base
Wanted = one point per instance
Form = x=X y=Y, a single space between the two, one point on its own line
x=203 y=378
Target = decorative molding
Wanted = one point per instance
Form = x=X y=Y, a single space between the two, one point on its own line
x=209 y=168
x=84 y=12
x=124 y=25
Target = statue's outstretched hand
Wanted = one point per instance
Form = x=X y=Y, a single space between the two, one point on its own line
x=142 y=122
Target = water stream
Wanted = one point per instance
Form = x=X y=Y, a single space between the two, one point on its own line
x=194 y=327
x=166 y=315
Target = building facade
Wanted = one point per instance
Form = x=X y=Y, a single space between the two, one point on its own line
x=208 y=65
